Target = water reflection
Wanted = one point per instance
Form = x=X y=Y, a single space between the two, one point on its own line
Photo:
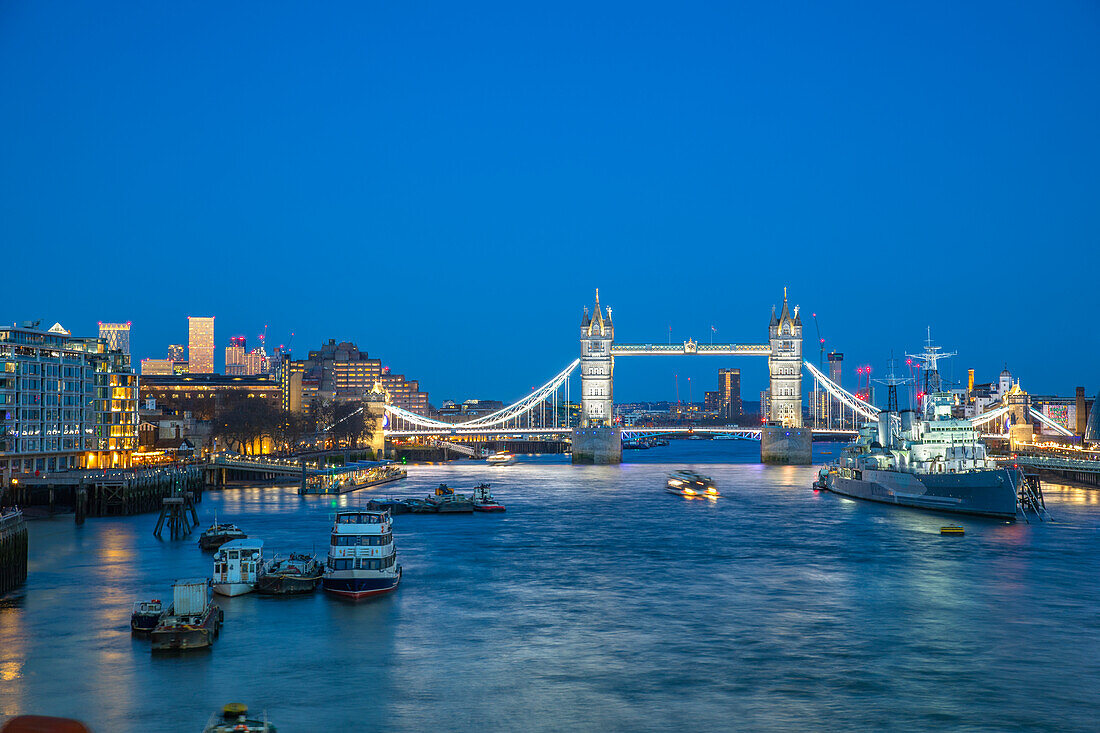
x=596 y=600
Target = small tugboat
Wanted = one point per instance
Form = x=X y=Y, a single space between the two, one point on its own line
x=691 y=484
x=234 y=717
x=298 y=573
x=192 y=621
x=446 y=501
x=236 y=566
x=218 y=534
x=362 y=559
x=483 y=500
x=952 y=529
x=145 y=616
x=501 y=458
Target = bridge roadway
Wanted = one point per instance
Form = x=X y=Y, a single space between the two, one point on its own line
x=559 y=432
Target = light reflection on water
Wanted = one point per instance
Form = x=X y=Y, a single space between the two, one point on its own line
x=596 y=601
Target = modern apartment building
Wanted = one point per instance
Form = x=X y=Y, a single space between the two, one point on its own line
x=117 y=336
x=65 y=402
x=200 y=345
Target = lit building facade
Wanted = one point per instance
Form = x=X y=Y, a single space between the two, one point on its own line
x=156 y=367
x=117 y=336
x=235 y=357
x=65 y=402
x=341 y=372
x=729 y=394
x=200 y=345
x=177 y=352
x=203 y=394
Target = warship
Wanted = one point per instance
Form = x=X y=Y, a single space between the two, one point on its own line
x=926 y=458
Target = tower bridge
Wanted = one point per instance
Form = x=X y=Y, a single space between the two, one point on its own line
x=783 y=439
x=597 y=439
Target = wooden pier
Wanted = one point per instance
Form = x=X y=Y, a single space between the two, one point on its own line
x=105 y=493
x=13 y=550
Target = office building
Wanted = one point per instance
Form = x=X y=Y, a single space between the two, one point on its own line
x=200 y=345
x=203 y=395
x=729 y=394
x=341 y=372
x=65 y=402
x=712 y=401
x=235 y=357
x=117 y=336
x=255 y=362
x=177 y=353
x=156 y=367
x=835 y=416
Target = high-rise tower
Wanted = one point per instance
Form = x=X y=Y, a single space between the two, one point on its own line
x=200 y=344
x=785 y=366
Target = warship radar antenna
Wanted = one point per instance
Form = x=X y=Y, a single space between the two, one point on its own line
x=929 y=358
x=892 y=381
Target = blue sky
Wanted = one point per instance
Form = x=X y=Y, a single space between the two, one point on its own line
x=446 y=184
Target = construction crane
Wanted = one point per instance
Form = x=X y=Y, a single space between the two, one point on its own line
x=821 y=366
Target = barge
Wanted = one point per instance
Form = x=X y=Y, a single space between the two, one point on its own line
x=192 y=621
x=352 y=477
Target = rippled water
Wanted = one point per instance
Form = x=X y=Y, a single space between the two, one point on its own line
x=596 y=602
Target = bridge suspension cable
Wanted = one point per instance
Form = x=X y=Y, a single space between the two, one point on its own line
x=846 y=398
x=506 y=414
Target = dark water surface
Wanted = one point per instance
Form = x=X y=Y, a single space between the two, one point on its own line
x=597 y=602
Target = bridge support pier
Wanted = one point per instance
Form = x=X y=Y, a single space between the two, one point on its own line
x=786 y=446
x=598 y=445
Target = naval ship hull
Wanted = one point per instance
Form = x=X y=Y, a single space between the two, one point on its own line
x=989 y=493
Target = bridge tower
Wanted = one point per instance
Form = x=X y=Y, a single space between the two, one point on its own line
x=596 y=439
x=783 y=439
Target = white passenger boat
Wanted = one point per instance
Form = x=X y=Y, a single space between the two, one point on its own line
x=691 y=484
x=362 y=559
x=237 y=565
x=501 y=458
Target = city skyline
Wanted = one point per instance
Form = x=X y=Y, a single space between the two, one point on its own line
x=947 y=164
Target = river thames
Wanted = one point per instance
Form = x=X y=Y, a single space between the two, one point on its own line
x=597 y=602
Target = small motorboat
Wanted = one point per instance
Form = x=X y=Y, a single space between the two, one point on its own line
x=299 y=573
x=952 y=529
x=501 y=458
x=234 y=717
x=145 y=616
x=218 y=534
x=236 y=566
x=691 y=484
x=484 y=501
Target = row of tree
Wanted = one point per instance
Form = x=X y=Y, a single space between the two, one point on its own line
x=244 y=424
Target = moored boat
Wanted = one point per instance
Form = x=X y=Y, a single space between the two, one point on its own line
x=393 y=506
x=217 y=535
x=234 y=718
x=362 y=558
x=446 y=501
x=927 y=459
x=236 y=566
x=145 y=616
x=691 y=484
x=484 y=501
x=298 y=573
x=192 y=621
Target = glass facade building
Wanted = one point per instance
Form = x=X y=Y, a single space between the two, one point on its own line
x=200 y=345
x=65 y=402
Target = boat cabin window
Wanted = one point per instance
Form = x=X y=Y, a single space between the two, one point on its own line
x=233 y=554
